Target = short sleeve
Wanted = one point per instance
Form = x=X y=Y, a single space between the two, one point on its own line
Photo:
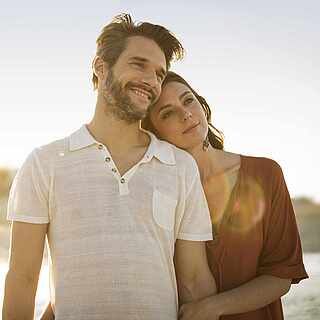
x=196 y=222
x=28 y=198
x=282 y=254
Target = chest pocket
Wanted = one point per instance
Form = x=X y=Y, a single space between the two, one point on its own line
x=164 y=210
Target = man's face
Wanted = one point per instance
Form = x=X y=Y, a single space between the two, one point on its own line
x=134 y=82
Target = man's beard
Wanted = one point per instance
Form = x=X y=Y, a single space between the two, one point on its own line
x=119 y=104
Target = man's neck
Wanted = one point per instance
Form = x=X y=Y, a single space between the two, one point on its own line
x=117 y=135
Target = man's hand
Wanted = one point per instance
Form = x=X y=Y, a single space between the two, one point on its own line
x=197 y=311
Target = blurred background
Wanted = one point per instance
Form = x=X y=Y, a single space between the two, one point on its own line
x=256 y=63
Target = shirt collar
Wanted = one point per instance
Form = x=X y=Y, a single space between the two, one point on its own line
x=162 y=150
x=81 y=139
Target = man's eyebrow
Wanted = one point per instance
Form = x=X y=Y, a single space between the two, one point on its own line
x=164 y=107
x=162 y=71
x=170 y=105
x=141 y=59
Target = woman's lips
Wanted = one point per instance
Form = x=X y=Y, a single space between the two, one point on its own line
x=191 y=128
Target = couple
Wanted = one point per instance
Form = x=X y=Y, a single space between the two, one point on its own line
x=137 y=227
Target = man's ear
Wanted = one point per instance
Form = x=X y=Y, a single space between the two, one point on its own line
x=98 y=67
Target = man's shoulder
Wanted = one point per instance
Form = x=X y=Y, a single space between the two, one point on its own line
x=51 y=152
x=183 y=156
x=53 y=149
x=183 y=159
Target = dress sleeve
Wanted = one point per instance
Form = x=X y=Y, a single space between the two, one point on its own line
x=28 y=198
x=281 y=255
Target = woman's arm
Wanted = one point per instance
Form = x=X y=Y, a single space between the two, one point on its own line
x=250 y=296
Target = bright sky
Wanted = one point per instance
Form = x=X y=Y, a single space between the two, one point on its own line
x=256 y=62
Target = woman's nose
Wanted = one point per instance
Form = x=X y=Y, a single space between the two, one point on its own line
x=187 y=115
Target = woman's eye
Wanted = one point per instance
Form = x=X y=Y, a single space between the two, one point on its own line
x=188 y=100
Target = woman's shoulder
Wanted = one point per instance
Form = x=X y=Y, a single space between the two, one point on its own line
x=253 y=165
x=266 y=172
x=260 y=164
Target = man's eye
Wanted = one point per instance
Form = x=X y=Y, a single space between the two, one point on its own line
x=160 y=77
x=138 y=64
x=166 y=115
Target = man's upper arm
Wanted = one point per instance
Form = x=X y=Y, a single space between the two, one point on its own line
x=27 y=243
x=26 y=249
x=194 y=277
x=195 y=224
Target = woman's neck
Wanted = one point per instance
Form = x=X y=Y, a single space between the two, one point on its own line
x=206 y=161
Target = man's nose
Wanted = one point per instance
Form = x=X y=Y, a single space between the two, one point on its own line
x=150 y=79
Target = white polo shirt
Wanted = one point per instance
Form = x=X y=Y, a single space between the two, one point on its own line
x=111 y=238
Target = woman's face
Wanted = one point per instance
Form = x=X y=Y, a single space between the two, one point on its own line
x=178 y=117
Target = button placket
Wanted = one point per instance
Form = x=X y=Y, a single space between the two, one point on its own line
x=123 y=187
x=108 y=160
x=124 y=181
x=111 y=166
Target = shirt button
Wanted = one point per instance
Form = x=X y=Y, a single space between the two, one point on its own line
x=114 y=170
x=107 y=159
x=100 y=146
x=122 y=180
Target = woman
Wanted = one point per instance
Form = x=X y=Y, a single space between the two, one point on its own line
x=256 y=251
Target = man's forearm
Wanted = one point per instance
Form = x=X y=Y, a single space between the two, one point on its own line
x=19 y=297
x=250 y=296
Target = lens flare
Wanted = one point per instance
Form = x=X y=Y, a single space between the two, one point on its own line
x=237 y=210
x=248 y=207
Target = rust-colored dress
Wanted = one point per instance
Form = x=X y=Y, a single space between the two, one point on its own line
x=258 y=235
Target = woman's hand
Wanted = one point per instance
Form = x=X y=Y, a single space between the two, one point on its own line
x=259 y=292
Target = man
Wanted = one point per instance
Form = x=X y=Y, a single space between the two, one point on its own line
x=116 y=204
